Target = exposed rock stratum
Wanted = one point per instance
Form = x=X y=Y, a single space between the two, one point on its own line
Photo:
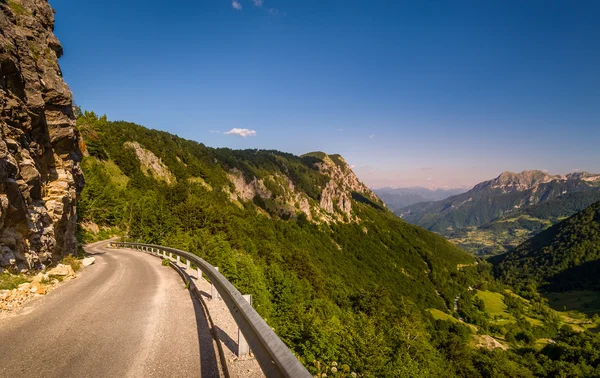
x=40 y=176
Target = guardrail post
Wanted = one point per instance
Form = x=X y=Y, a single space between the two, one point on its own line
x=243 y=347
x=214 y=294
x=171 y=256
x=178 y=259
x=198 y=274
x=187 y=265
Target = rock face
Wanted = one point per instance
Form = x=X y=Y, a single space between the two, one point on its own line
x=285 y=200
x=151 y=164
x=336 y=197
x=40 y=176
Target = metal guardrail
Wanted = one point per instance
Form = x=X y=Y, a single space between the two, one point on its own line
x=273 y=356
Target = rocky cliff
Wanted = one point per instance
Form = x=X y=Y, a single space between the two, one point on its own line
x=40 y=176
x=339 y=187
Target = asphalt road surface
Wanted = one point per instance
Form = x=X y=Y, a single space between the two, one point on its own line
x=124 y=316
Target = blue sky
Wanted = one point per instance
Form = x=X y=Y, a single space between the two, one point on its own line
x=431 y=93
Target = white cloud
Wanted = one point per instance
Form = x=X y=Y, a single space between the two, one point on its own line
x=372 y=136
x=241 y=132
x=339 y=130
x=258 y=3
x=214 y=132
x=236 y=5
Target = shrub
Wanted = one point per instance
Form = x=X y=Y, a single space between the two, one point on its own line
x=73 y=261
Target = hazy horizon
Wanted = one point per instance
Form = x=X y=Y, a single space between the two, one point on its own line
x=438 y=95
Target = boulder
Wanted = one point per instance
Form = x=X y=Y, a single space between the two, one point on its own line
x=61 y=271
x=88 y=261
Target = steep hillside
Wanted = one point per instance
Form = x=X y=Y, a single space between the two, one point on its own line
x=39 y=156
x=564 y=257
x=399 y=198
x=327 y=263
x=336 y=274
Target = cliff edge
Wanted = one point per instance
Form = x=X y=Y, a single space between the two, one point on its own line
x=40 y=175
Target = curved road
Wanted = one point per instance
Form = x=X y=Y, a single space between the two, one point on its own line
x=124 y=316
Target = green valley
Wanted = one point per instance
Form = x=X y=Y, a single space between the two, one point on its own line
x=500 y=214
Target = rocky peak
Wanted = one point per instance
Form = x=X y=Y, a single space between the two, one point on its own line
x=336 y=197
x=584 y=176
x=276 y=192
x=510 y=181
x=40 y=175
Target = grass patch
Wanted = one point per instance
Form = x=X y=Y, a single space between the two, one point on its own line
x=494 y=304
x=534 y=322
x=85 y=236
x=16 y=8
x=11 y=281
x=73 y=261
x=584 y=301
x=166 y=262
x=117 y=176
x=440 y=315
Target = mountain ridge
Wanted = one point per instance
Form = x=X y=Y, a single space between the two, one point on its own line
x=493 y=199
x=398 y=198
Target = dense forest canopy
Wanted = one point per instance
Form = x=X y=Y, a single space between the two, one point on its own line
x=564 y=257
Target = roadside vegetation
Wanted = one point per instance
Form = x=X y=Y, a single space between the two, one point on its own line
x=11 y=281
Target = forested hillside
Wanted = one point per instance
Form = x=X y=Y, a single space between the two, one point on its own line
x=564 y=257
x=327 y=278
x=337 y=275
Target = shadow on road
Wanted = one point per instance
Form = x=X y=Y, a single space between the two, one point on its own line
x=209 y=366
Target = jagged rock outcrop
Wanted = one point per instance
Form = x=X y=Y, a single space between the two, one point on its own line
x=285 y=200
x=40 y=176
x=246 y=191
x=151 y=164
x=336 y=198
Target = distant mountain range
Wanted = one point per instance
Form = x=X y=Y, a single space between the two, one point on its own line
x=499 y=214
x=398 y=198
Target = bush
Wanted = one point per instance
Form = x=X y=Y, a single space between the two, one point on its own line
x=73 y=261
x=10 y=281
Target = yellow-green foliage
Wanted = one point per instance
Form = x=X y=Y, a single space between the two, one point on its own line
x=116 y=175
x=494 y=304
x=440 y=315
x=16 y=7
x=73 y=261
x=11 y=281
